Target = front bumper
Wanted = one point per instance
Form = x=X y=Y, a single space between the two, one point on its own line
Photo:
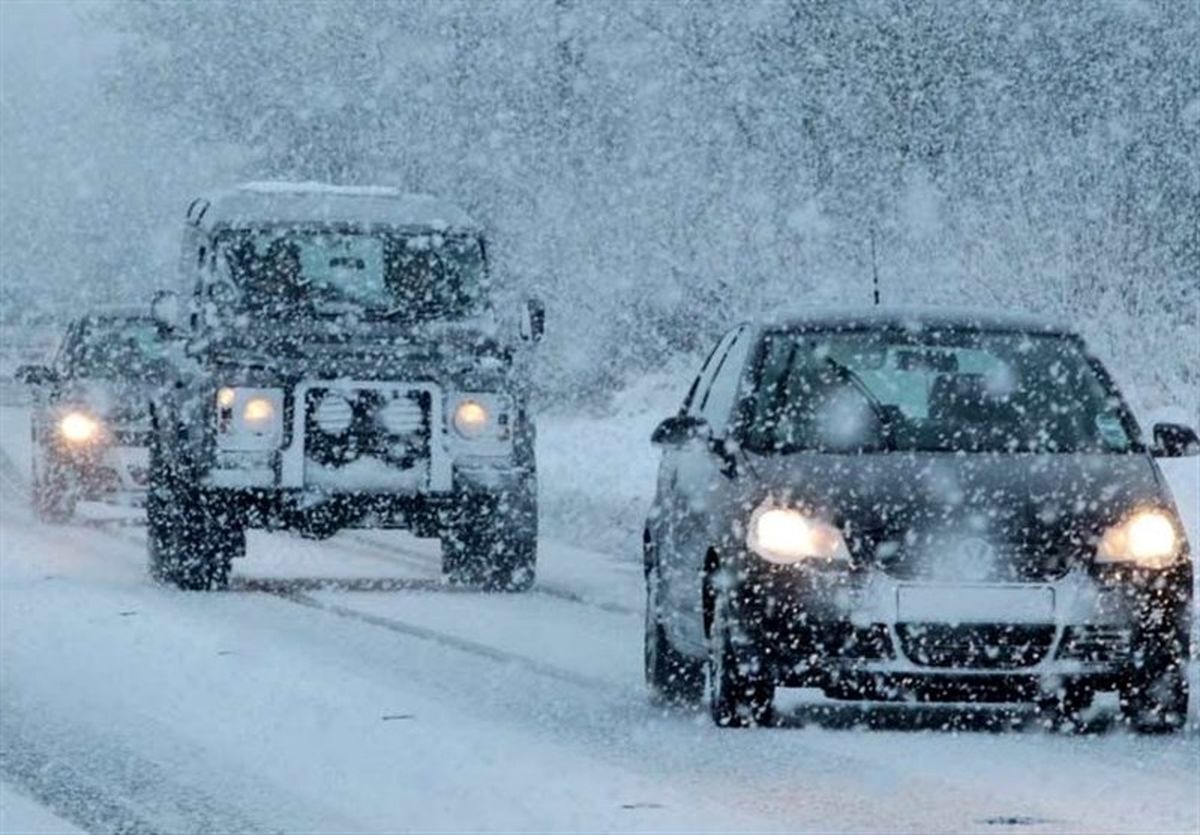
x=813 y=627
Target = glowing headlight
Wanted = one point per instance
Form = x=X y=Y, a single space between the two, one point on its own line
x=249 y=418
x=470 y=418
x=783 y=535
x=1147 y=539
x=258 y=413
x=78 y=428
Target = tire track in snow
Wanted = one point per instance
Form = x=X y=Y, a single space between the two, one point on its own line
x=455 y=642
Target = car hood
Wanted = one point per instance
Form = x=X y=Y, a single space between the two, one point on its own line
x=964 y=516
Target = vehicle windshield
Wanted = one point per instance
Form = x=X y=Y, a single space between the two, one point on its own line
x=319 y=272
x=114 y=348
x=968 y=391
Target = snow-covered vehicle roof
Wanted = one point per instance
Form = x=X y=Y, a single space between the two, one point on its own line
x=299 y=203
x=918 y=318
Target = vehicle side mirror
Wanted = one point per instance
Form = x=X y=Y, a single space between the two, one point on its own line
x=166 y=310
x=533 y=321
x=1175 y=440
x=677 y=430
x=35 y=375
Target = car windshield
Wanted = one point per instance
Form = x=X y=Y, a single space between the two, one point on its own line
x=114 y=348
x=319 y=272
x=955 y=390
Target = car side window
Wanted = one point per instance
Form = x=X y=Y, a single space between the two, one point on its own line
x=704 y=378
x=718 y=401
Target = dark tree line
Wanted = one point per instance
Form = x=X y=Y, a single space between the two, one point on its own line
x=656 y=170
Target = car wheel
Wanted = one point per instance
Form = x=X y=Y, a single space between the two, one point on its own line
x=740 y=694
x=1155 y=702
x=51 y=495
x=191 y=543
x=491 y=542
x=673 y=678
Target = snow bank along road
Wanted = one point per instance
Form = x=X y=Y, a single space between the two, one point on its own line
x=339 y=688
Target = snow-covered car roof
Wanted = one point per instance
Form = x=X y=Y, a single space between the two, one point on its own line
x=299 y=203
x=919 y=318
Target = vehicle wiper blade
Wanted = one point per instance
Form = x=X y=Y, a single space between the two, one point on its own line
x=877 y=407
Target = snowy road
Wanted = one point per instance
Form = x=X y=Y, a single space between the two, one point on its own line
x=339 y=688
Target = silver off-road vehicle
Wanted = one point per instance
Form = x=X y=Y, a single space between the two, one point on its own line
x=339 y=363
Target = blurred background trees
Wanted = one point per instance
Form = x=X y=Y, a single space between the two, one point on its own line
x=657 y=170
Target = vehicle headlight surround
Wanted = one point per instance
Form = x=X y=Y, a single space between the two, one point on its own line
x=1147 y=539
x=785 y=536
x=249 y=418
x=78 y=427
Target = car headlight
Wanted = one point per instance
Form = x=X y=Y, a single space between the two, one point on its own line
x=481 y=417
x=784 y=535
x=258 y=414
x=78 y=427
x=249 y=418
x=1148 y=538
x=471 y=418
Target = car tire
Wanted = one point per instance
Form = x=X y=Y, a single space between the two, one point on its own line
x=50 y=494
x=491 y=542
x=673 y=678
x=191 y=541
x=1155 y=702
x=740 y=693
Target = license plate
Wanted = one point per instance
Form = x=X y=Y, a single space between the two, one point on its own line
x=974 y=604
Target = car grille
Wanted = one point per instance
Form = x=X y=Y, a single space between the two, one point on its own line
x=1099 y=643
x=386 y=423
x=975 y=646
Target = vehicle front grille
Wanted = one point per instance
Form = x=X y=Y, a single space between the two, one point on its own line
x=1100 y=643
x=990 y=646
x=389 y=423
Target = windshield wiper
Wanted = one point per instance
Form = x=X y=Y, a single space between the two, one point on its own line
x=880 y=411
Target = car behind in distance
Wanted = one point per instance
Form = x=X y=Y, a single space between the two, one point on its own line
x=915 y=506
x=90 y=420
x=344 y=368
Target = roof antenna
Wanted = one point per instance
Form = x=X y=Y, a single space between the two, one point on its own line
x=874 y=267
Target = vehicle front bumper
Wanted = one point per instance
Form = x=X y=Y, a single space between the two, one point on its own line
x=813 y=627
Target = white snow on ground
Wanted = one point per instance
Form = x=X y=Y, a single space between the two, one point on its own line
x=388 y=703
x=21 y=816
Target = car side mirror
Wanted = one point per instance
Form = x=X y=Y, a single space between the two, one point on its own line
x=166 y=310
x=533 y=321
x=35 y=375
x=677 y=430
x=1175 y=440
